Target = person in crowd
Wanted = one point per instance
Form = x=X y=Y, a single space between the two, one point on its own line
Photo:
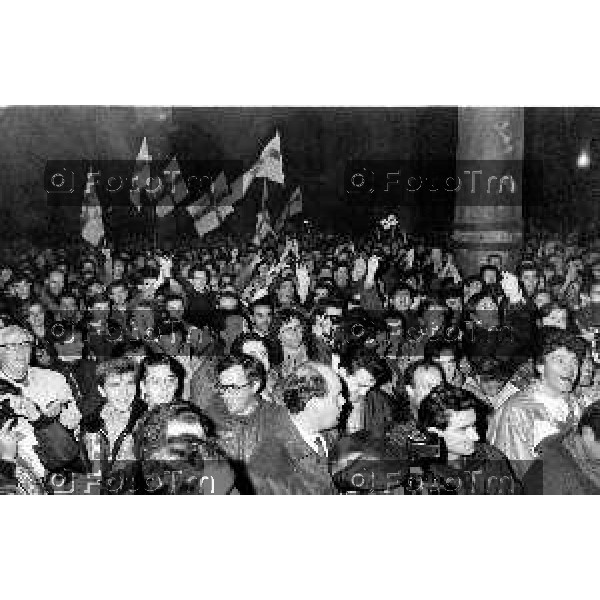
x=543 y=408
x=292 y=336
x=250 y=344
x=37 y=397
x=174 y=340
x=242 y=417
x=293 y=459
x=363 y=373
x=177 y=453
x=100 y=331
x=160 y=380
x=464 y=465
x=118 y=292
x=39 y=322
x=420 y=377
x=568 y=462
x=108 y=431
x=401 y=300
x=49 y=293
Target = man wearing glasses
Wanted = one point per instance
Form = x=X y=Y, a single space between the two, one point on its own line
x=242 y=417
x=31 y=392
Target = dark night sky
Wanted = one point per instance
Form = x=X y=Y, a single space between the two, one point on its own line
x=316 y=145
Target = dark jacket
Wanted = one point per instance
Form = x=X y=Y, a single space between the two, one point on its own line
x=8 y=478
x=486 y=472
x=285 y=464
x=239 y=436
x=557 y=471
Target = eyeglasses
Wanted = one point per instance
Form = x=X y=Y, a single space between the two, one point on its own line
x=231 y=388
x=17 y=346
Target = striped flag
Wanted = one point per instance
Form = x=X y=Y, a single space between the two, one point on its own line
x=177 y=190
x=211 y=209
x=164 y=206
x=293 y=207
x=211 y=219
x=198 y=207
x=92 y=227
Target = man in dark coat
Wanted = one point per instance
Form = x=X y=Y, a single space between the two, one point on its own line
x=295 y=459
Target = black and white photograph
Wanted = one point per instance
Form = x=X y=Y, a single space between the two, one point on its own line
x=298 y=300
x=331 y=257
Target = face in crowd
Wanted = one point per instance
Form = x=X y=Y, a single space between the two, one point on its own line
x=148 y=287
x=119 y=390
x=489 y=277
x=460 y=434
x=486 y=313
x=542 y=299
x=100 y=311
x=447 y=361
x=159 y=385
x=15 y=352
x=262 y=317
x=291 y=334
x=36 y=316
x=341 y=277
x=56 y=282
x=323 y=413
x=118 y=295
x=237 y=391
x=68 y=308
x=401 y=300
x=22 y=289
x=199 y=281
x=175 y=309
x=559 y=370
x=285 y=292
x=455 y=304
x=118 y=269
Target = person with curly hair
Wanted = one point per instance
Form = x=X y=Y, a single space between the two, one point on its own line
x=465 y=465
x=545 y=407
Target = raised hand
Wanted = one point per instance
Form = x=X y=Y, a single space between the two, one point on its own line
x=372 y=265
x=23 y=407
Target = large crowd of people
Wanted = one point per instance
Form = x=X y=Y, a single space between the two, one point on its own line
x=315 y=363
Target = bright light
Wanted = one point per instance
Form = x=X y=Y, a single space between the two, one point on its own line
x=583 y=160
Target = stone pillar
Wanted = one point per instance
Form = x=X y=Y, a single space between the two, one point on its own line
x=488 y=215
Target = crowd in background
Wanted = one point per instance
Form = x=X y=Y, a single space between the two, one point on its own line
x=314 y=363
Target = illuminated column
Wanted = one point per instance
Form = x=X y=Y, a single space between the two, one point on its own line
x=488 y=215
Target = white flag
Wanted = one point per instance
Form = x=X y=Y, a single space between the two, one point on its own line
x=212 y=219
x=270 y=163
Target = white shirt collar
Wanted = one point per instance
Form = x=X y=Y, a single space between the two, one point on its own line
x=311 y=438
